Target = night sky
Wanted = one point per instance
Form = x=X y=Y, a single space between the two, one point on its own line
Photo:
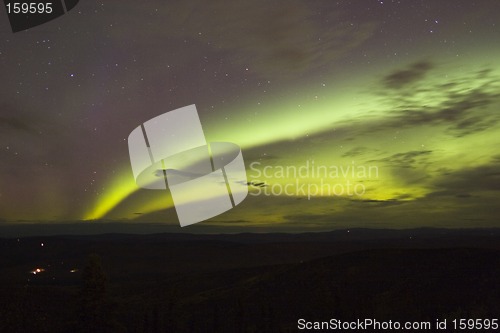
x=409 y=88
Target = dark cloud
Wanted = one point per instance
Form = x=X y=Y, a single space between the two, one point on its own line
x=469 y=194
x=466 y=117
x=447 y=193
x=16 y=124
x=13 y=118
x=405 y=77
x=409 y=159
x=357 y=151
x=380 y=203
x=463 y=111
x=476 y=179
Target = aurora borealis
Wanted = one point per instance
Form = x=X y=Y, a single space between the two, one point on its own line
x=409 y=87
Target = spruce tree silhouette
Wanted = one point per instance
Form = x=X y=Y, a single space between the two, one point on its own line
x=93 y=296
x=96 y=311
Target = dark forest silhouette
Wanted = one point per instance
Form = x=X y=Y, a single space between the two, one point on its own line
x=253 y=283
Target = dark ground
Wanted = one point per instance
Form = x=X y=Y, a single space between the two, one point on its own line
x=246 y=282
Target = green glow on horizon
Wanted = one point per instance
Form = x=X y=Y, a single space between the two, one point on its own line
x=120 y=187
